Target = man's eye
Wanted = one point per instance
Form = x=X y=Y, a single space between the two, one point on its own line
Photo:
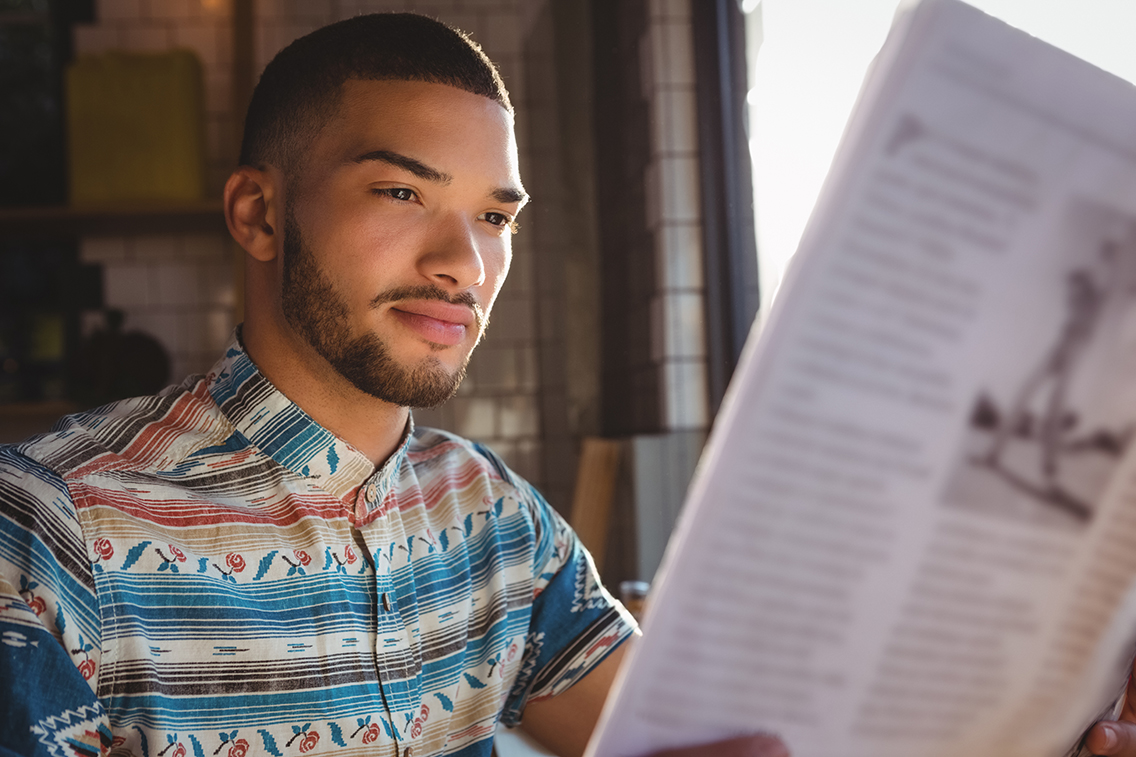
x=499 y=219
x=397 y=193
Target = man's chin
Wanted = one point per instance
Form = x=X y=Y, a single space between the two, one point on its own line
x=438 y=359
x=422 y=384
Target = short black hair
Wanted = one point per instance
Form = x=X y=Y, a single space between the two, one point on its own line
x=300 y=89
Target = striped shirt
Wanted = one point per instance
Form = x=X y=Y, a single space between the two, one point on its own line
x=211 y=572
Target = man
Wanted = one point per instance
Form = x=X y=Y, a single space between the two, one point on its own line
x=270 y=559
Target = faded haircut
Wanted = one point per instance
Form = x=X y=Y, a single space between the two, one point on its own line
x=300 y=90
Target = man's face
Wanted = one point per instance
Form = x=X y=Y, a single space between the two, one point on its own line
x=397 y=236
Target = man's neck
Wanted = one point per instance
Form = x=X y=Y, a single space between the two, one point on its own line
x=370 y=425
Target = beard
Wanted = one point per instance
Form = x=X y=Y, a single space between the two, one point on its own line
x=320 y=313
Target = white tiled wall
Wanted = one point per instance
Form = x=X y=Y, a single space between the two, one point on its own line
x=177 y=288
x=674 y=215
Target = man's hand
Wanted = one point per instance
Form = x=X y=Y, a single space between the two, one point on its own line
x=1118 y=737
x=761 y=745
x=563 y=723
x=1112 y=738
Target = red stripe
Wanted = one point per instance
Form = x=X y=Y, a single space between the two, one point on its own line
x=169 y=508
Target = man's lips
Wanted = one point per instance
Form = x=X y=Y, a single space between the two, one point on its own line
x=434 y=320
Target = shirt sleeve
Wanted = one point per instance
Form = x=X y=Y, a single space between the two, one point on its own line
x=575 y=622
x=49 y=629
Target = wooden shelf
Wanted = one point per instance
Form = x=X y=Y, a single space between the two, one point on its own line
x=44 y=408
x=20 y=420
x=200 y=217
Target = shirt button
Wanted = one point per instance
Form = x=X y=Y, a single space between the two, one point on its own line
x=408 y=752
x=386 y=602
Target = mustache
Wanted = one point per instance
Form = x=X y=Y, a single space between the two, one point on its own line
x=433 y=292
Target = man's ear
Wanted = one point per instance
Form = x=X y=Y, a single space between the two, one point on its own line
x=252 y=212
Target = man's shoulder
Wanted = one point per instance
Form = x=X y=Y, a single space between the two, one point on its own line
x=136 y=433
x=435 y=448
x=427 y=444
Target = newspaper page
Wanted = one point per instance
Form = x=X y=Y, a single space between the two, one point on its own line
x=913 y=530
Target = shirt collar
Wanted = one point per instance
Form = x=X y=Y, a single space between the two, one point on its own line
x=283 y=431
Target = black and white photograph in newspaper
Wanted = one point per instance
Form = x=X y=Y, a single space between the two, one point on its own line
x=1046 y=432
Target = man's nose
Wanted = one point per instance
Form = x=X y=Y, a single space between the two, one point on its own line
x=454 y=259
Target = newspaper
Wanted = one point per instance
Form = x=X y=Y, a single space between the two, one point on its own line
x=913 y=530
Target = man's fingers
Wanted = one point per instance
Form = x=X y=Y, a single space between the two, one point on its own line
x=759 y=745
x=1112 y=738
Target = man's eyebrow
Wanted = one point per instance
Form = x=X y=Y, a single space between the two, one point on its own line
x=423 y=171
x=510 y=194
x=406 y=163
